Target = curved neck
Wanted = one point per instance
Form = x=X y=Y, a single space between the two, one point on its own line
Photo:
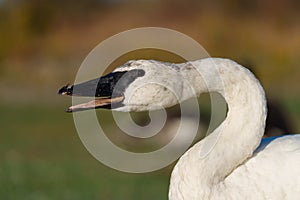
x=236 y=138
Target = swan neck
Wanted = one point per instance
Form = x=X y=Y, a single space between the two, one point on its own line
x=235 y=140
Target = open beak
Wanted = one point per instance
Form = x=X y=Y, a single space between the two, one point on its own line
x=108 y=90
x=104 y=89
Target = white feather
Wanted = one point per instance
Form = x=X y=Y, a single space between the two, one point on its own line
x=232 y=168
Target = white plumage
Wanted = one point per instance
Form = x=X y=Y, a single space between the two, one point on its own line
x=228 y=164
x=231 y=170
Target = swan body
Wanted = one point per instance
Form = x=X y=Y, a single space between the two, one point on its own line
x=270 y=173
x=233 y=162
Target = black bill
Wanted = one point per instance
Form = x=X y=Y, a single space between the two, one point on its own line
x=108 y=90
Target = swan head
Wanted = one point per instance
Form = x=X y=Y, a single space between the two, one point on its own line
x=137 y=85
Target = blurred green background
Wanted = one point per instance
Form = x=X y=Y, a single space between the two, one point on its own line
x=42 y=44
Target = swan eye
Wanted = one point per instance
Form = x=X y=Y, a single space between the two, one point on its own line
x=109 y=90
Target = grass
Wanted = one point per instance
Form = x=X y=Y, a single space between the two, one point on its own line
x=43 y=158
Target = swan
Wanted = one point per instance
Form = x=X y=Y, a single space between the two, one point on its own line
x=241 y=165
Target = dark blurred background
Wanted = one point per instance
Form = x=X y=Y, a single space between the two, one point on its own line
x=42 y=44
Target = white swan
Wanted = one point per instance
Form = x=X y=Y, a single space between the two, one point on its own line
x=235 y=168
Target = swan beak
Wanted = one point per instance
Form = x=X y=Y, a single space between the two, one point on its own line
x=108 y=90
